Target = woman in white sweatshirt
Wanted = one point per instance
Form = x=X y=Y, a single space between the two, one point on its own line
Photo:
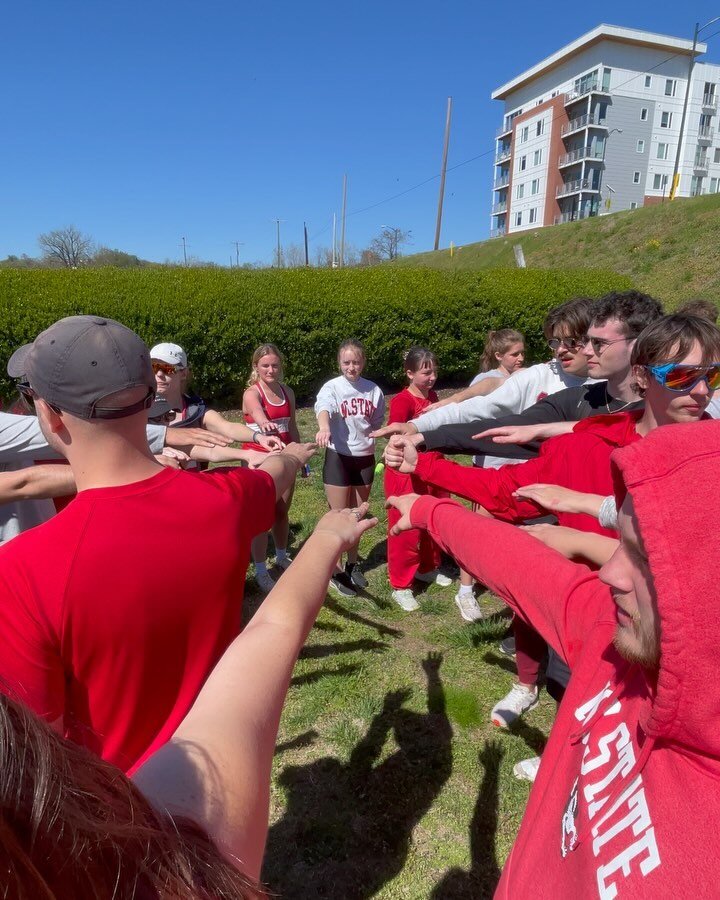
x=348 y=408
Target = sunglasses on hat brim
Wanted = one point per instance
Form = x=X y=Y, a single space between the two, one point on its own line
x=99 y=412
x=680 y=377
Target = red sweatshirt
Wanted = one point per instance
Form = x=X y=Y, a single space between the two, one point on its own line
x=580 y=461
x=627 y=799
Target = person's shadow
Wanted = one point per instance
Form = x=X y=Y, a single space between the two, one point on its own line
x=482 y=878
x=346 y=828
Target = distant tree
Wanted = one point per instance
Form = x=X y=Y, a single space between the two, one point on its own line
x=294 y=256
x=66 y=247
x=369 y=258
x=20 y=262
x=388 y=243
x=104 y=256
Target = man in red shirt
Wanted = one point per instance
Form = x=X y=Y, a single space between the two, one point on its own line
x=113 y=613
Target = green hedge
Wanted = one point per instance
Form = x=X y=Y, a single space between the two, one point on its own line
x=221 y=316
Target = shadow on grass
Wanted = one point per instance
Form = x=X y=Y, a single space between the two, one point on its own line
x=377 y=556
x=312 y=677
x=306 y=739
x=339 y=610
x=482 y=878
x=346 y=828
x=533 y=737
x=502 y=662
x=319 y=651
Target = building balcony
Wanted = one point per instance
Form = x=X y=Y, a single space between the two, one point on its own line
x=710 y=103
x=592 y=87
x=578 y=155
x=586 y=121
x=577 y=186
x=505 y=128
x=705 y=134
x=502 y=155
x=499 y=208
x=501 y=183
x=572 y=216
x=497 y=232
x=701 y=163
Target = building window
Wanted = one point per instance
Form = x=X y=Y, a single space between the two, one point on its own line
x=606 y=79
x=520 y=192
x=524 y=134
x=636 y=178
x=648 y=81
x=643 y=114
x=539 y=127
x=533 y=215
x=633 y=206
x=716 y=157
x=522 y=163
x=518 y=218
x=537 y=158
x=660 y=182
x=535 y=186
x=670 y=87
x=666 y=120
x=640 y=147
x=696 y=186
x=713 y=185
x=662 y=151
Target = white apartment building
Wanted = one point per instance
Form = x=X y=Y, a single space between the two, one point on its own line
x=594 y=128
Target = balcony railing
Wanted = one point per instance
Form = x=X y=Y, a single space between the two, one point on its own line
x=499 y=208
x=701 y=162
x=505 y=128
x=576 y=156
x=573 y=216
x=501 y=183
x=497 y=232
x=710 y=102
x=586 y=121
x=502 y=155
x=589 y=88
x=705 y=134
x=574 y=187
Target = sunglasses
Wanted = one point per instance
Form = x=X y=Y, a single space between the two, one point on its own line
x=571 y=344
x=679 y=377
x=165 y=368
x=29 y=395
x=599 y=344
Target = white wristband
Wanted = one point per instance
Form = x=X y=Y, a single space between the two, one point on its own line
x=608 y=516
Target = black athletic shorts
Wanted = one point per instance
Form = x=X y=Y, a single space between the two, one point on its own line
x=344 y=471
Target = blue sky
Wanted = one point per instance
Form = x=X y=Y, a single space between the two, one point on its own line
x=142 y=123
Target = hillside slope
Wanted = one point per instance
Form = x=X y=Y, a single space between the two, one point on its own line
x=669 y=250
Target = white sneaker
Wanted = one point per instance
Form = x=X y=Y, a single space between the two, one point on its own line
x=527 y=769
x=264 y=581
x=405 y=599
x=468 y=606
x=283 y=563
x=434 y=577
x=516 y=702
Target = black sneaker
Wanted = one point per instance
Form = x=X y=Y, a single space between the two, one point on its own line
x=507 y=645
x=352 y=570
x=342 y=583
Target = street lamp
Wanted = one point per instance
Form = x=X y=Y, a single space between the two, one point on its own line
x=676 y=170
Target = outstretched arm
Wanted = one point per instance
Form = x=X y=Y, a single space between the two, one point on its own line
x=216 y=768
x=36 y=483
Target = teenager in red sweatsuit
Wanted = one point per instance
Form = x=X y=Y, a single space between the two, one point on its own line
x=627 y=798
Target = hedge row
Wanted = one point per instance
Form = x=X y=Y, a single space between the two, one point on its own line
x=221 y=316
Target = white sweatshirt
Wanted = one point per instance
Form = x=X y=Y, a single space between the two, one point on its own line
x=524 y=389
x=356 y=409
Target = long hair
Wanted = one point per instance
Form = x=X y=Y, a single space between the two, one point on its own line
x=499 y=341
x=417 y=358
x=73 y=827
x=264 y=350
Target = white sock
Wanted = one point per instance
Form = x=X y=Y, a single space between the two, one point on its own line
x=465 y=590
x=281 y=553
x=261 y=568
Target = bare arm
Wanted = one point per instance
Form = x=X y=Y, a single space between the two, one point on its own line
x=253 y=407
x=37 y=483
x=283 y=467
x=216 y=768
x=322 y=438
x=525 y=434
x=292 y=428
x=561 y=499
x=578 y=546
x=254 y=458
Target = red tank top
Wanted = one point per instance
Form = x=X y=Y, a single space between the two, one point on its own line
x=278 y=413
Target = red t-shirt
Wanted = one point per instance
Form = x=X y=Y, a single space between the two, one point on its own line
x=114 y=612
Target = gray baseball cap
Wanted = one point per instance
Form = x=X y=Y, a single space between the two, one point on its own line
x=79 y=361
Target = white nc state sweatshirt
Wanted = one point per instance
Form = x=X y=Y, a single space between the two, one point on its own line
x=356 y=409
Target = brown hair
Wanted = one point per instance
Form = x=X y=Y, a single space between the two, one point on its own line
x=73 y=827
x=417 y=358
x=671 y=338
x=574 y=317
x=351 y=344
x=705 y=309
x=258 y=353
x=499 y=341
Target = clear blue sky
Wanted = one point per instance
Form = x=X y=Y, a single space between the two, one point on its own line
x=144 y=122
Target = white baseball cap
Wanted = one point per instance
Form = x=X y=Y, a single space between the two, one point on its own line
x=172 y=354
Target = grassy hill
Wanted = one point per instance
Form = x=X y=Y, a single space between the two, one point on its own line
x=669 y=250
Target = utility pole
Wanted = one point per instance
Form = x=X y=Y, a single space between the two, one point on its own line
x=334 y=251
x=307 y=259
x=676 y=171
x=184 y=252
x=443 y=171
x=342 y=227
x=279 y=251
x=238 y=245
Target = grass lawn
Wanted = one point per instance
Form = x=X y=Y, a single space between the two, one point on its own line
x=389 y=780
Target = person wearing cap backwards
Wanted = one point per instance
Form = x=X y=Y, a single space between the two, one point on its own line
x=108 y=632
x=627 y=797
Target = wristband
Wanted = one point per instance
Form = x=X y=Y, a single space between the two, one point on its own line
x=256 y=435
x=607 y=515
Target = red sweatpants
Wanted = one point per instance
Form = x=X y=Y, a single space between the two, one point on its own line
x=530 y=650
x=412 y=551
